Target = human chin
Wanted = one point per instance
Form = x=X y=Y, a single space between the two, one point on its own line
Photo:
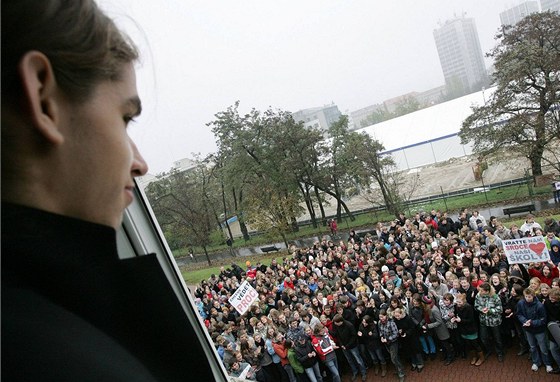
x=128 y=195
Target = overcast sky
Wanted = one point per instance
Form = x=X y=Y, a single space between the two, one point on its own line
x=199 y=57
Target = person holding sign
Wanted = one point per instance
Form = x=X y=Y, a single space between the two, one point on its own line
x=545 y=272
x=530 y=225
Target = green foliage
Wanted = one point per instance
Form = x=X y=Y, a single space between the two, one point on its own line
x=522 y=113
x=408 y=104
x=217 y=238
x=265 y=157
x=454 y=88
x=377 y=116
x=183 y=202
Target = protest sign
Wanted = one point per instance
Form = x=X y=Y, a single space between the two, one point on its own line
x=526 y=250
x=243 y=297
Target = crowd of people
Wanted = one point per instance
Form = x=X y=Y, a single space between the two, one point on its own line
x=419 y=289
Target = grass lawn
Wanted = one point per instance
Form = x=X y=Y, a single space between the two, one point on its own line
x=196 y=276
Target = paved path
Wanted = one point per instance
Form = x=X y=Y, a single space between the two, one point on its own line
x=513 y=369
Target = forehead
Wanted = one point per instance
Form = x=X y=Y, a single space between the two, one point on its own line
x=124 y=86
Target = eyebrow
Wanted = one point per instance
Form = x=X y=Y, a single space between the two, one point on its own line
x=135 y=104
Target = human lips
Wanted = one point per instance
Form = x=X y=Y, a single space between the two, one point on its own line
x=129 y=191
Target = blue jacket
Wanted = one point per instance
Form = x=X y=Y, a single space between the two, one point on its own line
x=555 y=256
x=533 y=311
x=270 y=349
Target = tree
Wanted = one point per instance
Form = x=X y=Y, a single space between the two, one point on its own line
x=378 y=168
x=375 y=174
x=233 y=135
x=183 y=203
x=261 y=156
x=334 y=175
x=522 y=114
x=454 y=88
x=408 y=104
x=271 y=211
x=377 y=116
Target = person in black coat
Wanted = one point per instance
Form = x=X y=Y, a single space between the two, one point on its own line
x=368 y=337
x=347 y=337
x=511 y=322
x=307 y=356
x=468 y=328
x=72 y=310
x=408 y=339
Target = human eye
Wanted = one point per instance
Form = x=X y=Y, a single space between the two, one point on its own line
x=129 y=118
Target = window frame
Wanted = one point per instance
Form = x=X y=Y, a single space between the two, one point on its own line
x=140 y=234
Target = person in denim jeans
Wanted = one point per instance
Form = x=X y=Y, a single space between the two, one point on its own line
x=489 y=306
x=417 y=315
x=307 y=356
x=369 y=336
x=389 y=334
x=532 y=315
x=325 y=347
x=346 y=334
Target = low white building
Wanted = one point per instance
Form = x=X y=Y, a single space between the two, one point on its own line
x=429 y=135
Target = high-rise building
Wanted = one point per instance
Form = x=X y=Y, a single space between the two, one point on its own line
x=513 y=15
x=460 y=56
x=318 y=117
x=550 y=5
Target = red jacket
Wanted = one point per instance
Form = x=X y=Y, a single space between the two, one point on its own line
x=323 y=345
x=282 y=352
x=547 y=280
x=289 y=284
x=251 y=272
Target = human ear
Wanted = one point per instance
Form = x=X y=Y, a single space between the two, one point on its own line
x=40 y=89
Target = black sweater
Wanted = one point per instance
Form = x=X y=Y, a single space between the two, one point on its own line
x=346 y=334
x=73 y=311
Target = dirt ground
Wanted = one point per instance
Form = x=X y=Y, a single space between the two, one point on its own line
x=452 y=175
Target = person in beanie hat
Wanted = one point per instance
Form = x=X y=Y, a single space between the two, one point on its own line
x=307 y=356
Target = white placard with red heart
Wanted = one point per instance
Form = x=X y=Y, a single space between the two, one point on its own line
x=526 y=250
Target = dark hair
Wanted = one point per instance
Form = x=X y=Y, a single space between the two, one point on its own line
x=518 y=289
x=317 y=329
x=368 y=319
x=83 y=45
x=485 y=287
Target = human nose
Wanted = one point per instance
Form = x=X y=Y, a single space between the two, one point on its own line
x=139 y=166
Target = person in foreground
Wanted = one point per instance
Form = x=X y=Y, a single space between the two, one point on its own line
x=71 y=309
